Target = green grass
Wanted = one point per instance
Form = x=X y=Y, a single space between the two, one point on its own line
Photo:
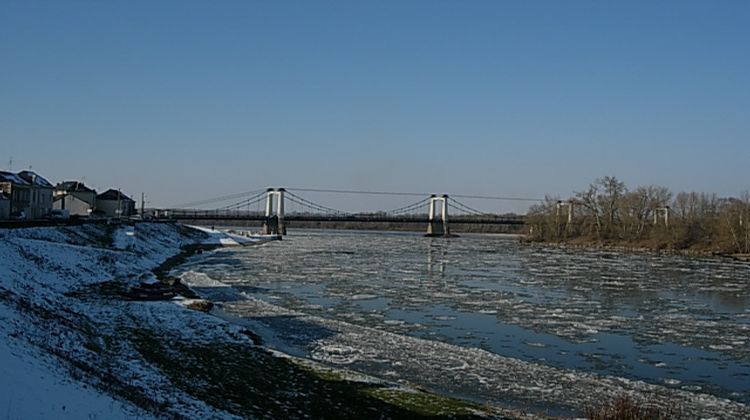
x=251 y=382
x=424 y=404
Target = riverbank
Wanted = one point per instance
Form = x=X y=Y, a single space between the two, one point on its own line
x=61 y=299
x=96 y=354
x=636 y=247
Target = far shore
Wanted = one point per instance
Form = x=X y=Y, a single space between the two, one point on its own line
x=636 y=248
x=514 y=232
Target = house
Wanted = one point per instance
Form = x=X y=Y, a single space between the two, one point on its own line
x=29 y=193
x=114 y=203
x=4 y=206
x=16 y=189
x=75 y=197
x=41 y=194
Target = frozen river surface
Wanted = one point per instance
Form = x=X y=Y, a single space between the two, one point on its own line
x=682 y=323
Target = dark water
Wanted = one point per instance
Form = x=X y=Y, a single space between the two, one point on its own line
x=670 y=320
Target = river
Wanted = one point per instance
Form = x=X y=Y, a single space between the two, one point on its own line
x=678 y=322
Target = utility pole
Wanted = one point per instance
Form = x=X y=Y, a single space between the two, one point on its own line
x=32 y=200
x=119 y=205
x=143 y=204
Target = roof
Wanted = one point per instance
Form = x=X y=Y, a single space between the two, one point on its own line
x=12 y=178
x=38 y=180
x=73 y=186
x=111 y=194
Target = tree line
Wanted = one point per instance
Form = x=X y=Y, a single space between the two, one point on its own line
x=607 y=211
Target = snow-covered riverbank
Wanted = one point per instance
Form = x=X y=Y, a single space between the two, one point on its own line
x=47 y=345
x=71 y=347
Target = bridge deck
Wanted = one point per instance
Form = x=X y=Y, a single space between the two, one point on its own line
x=478 y=220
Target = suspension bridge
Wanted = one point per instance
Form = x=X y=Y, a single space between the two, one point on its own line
x=276 y=207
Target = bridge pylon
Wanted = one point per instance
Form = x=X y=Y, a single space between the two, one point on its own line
x=438 y=227
x=274 y=223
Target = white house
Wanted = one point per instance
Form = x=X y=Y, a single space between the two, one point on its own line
x=41 y=194
x=29 y=193
x=75 y=197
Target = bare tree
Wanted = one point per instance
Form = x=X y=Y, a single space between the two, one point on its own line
x=609 y=201
x=541 y=219
x=606 y=209
x=735 y=217
x=590 y=203
x=601 y=202
x=639 y=206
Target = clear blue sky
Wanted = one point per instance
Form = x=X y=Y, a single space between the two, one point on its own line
x=192 y=99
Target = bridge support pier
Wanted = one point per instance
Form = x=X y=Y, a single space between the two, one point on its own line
x=435 y=227
x=274 y=223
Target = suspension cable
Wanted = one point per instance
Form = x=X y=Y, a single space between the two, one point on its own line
x=410 y=207
x=312 y=204
x=463 y=207
x=246 y=202
x=237 y=206
x=217 y=199
x=481 y=197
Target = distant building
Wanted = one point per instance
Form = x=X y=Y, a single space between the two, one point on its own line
x=4 y=206
x=29 y=193
x=113 y=203
x=75 y=197
x=16 y=189
x=41 y=194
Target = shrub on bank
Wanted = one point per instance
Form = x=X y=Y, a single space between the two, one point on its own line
x=607 y=212
x=624 y=408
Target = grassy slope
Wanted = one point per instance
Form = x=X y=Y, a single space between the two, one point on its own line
x=249 y=381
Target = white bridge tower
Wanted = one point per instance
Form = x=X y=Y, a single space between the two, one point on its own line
x=439 y=227
x=274 y=223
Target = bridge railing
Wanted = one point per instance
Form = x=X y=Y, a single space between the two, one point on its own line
x=190 y=214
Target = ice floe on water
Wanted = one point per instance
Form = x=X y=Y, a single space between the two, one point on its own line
x=456 y=370
x=335 y=354
x=524 y=324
